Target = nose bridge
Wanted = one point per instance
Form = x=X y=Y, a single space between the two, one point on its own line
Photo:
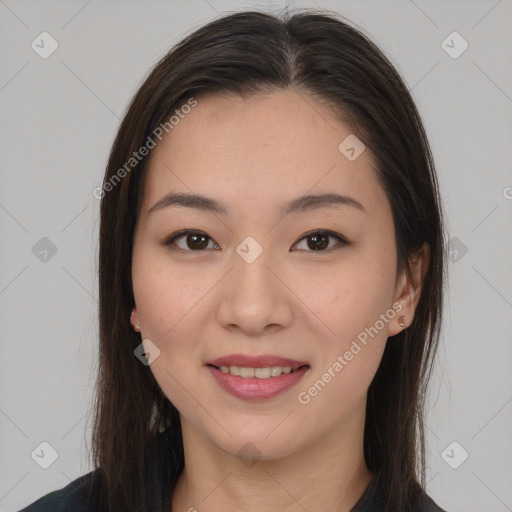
x=253 y=297
x=252 y=278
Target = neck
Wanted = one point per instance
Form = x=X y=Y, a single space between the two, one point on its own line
x=330 y=474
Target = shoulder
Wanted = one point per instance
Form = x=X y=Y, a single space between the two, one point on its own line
x=374 y=499
x=429 y=505
x=72 y=498
x=161 y=471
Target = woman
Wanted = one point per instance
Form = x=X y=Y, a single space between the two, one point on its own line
x=271 y=280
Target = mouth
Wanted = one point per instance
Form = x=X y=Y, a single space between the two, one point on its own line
x=251 y=372
x=256 y=378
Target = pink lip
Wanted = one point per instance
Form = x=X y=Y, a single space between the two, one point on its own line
x=265 y=361
x=256 y=389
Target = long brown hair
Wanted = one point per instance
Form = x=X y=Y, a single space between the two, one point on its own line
x=243 y=53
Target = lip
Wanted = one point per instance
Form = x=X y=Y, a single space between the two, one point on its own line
x=256 y=389
x=264 y=361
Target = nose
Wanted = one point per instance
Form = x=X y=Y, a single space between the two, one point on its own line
x=253 y=297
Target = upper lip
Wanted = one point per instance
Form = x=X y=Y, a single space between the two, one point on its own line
x=245 y=361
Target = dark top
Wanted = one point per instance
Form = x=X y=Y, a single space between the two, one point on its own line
x=73 y=497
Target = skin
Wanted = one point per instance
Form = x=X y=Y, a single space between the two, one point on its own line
x=253 y=155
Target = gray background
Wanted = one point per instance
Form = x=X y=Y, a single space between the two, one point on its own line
x=60 y=115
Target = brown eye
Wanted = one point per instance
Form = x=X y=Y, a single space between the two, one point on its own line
x=196 y=242
x=320 y=240
x=190 y=241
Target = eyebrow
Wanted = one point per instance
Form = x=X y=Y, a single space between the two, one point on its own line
x=301 y=204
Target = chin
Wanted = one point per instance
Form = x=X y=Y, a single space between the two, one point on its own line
x=249 y=445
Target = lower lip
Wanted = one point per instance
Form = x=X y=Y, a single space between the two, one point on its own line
x=257 y=389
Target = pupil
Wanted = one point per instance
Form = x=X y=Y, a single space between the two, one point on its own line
x=196 y=243
x=319 y=242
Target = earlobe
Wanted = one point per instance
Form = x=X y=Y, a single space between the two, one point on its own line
x=398 y=324
x=134 y=319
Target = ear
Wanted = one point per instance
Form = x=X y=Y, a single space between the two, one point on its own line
x=408 y=289
x=134 y=319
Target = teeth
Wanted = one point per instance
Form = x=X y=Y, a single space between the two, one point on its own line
x=259 y=373
x=234 y=370
x=248 y=373
x=262 y=373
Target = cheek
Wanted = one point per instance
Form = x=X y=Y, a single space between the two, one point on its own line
x=165 y=296
x=168 y=303
x=348 y=297
x=350 y=301
x=338 y=390
x=348 y=358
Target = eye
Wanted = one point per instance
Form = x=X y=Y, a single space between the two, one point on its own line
x=192 y=241
x=189 y=240
x=319 y=240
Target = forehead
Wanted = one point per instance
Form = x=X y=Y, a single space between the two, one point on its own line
x=269 y=146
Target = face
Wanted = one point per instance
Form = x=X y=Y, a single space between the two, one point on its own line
x=265 y=270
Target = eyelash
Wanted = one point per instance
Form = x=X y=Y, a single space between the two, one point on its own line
x=170 y=240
